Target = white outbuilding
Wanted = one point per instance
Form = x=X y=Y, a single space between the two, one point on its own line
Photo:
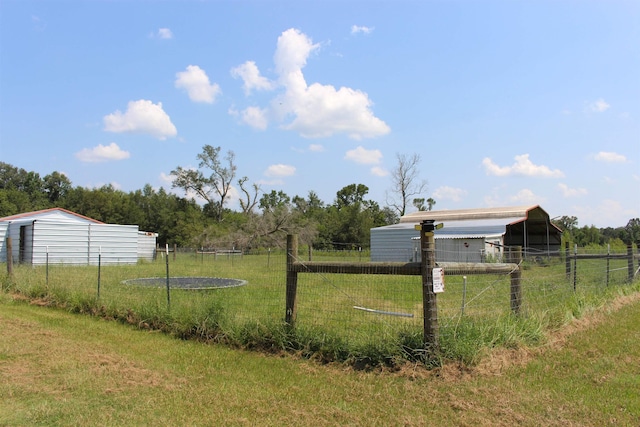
x=59 y=236
x=469 y=235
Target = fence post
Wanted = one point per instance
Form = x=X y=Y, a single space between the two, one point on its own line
x=9 y=249
x=630 y=261
x=515 y=257
x=567 y=260
x=575 y=266
x=429 y=303
x=292 y=279
x=608 y=262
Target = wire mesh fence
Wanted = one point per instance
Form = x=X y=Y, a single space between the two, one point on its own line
x=360 y=309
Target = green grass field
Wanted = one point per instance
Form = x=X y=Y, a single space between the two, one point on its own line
x=58 y=368
x=474 y=312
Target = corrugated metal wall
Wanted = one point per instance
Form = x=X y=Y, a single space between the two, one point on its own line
x=81 y=243
x=147 y=245
x=3 y=235
x=393 y=244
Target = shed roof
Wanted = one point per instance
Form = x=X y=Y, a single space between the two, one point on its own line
x=460 y=229
x=58 y=214
x=513 y=214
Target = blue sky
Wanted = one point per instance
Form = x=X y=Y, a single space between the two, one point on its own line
x=507 y=102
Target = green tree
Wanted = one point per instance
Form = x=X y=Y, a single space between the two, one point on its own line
x=56 y=186
x=213 y=188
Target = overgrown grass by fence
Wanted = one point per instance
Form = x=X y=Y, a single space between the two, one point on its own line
x=362 y=319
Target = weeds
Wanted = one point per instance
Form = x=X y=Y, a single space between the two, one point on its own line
x=252 y=317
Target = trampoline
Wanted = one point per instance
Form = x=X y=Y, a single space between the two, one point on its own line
x=195 y=283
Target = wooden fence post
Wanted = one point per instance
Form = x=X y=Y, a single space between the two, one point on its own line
x=429 y=302
x=9 y=250
x=292 y=280
x=630 y=261
x=567 y=260
x=515 y=257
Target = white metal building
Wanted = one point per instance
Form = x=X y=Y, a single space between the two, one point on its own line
x=470 y=235
x=60 y=236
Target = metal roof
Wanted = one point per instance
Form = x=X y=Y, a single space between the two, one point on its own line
x=461 y=229
x=57 y=214
x=513 y=213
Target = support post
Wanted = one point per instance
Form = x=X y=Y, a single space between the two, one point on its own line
x=9 y=249
x=292 y=280
x=429 y=302
x=630 y=261
x=608 y=262
x=575 y=267
x=515 y=257
x=567 y=260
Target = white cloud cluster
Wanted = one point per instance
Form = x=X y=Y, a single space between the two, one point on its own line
x=165 y=33
x=571 y=192
x=364 y=156
x=610 y=157
x=599 y=106
x=355 y=29
x=102 y=153
x=142 y=116
x=367 y=157
x=522 y=166
x=526 y=197
x=449 y=193
x=251 y=77
x=196 y=82
x=280 y=170
x=313 y=110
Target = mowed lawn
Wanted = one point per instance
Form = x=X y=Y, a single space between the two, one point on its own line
x=62 y=369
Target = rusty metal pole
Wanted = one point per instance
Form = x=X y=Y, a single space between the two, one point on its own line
x=429 y=303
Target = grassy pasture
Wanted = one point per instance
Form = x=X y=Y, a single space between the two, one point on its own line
x=474 y=313
x=61 y=369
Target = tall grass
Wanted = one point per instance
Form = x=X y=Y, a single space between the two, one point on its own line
x=474 y=313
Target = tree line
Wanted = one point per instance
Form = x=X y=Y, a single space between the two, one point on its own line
x=264 y=218
x=263 y=221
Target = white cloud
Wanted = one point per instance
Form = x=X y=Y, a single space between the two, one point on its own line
x=314 y=110
x=526 y=197
x=599 y=106
x=167 y=178
x=361 y=29
x=378 y=171
x=280 y=170
x=572 y=192
x=251 y=77
x=255 y=117
x=610 y=157
x=165 y=33
x=101 y=153
x=196 y=82
x=364 y=156
x=449 y=193
x=608 y=212
x=142 y=116
x=522 y=166
x=317 y=148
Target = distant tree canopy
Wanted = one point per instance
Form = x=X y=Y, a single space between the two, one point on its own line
x=263 y=220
